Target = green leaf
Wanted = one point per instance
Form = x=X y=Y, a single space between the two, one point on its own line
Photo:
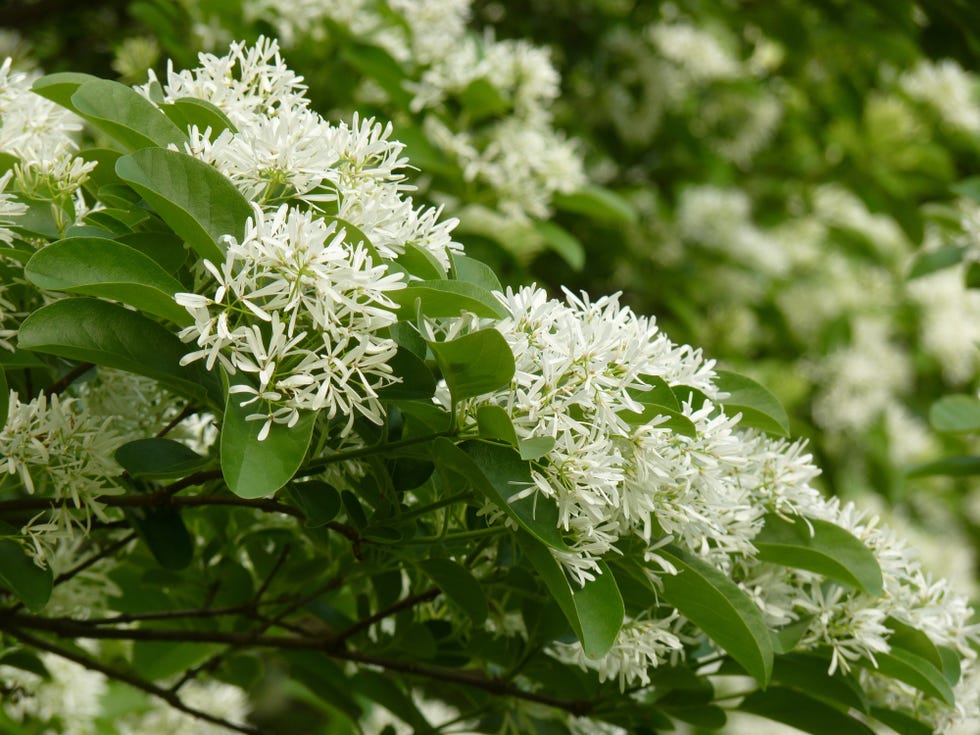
x=253 y=468
x=594 y=611
x=61 y=86
x=914 y=641
x=935 y=260
x=19 y=574
x=122 y=113
x=319 y=501
x=420 y=263
x=446 y=298
x=108 y=269
x=949 y=467
x=475 y=271
x=669 y=419
x=482 y=99
x=159 y=458
x=802 y=712
x=164 y=248
x=164 y=532
x=760 y=409
x=474 y=364
x=114 y=336
x=203 y=114
x=900 y=722
x=562 y=242
x=377 y=64
x=416 y=381
x=713 y=602
x=915 y=671
x=972 y=277
x=951 y=665
x=194 y=199
x=808 y=675
x=499 y=474
x=459 y=585
x=494 y=423
x=535 y=447
x=598 y=203
x=829 y=550
x=955 y=414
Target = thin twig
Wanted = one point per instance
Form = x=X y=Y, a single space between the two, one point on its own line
x=68 y=378
x=406 y=604
x=325 y=644
x=170 y=698
x=189 y=410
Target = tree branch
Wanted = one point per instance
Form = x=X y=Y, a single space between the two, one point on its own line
x=328 y=645
x=170 y=698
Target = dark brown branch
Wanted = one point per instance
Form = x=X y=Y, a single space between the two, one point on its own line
x=325 y=644
x=68 y=378
x=170 y=698
x=189 y=410
x=95 y=558
x=406 y=604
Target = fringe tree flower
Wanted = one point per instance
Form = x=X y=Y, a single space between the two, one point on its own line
x=300 y=310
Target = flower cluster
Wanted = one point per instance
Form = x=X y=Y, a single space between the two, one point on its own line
x=300 y=305
x=50 y=447
x=40 y=134
x=507 y=144
x=582 y=370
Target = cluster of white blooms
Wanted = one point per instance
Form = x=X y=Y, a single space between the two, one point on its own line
x=300 y=304
x=52 y=448
x=641 y=645
x=39 y=134
x=949 y=89
x=582 y=369
x=301 y=311
x=720 y=219
x=950 y=322
x=514 y=151
x=9 y=207
x=67 y=701
x=213 y=697
x=860 y=381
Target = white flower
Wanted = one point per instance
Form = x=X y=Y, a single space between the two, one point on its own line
x=53 y=449
x=948 y=89
x=70 y=700
x=301 y=310
x=640 y=646
x=250 y=81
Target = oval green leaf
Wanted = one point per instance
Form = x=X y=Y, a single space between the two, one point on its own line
x=124 y=114
x=955 y=414
x=760 y=409
x=594 y=611
x=112 y=335
x=19 y=574
x=499 y=474
x=159 y=458
x=253 y=468
x=459 y=585
x=714 y=603
x=802 y=712
x=194 y=199
x=474 y=364
x=829 y=550
x=446 y=299
x=108 y=269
